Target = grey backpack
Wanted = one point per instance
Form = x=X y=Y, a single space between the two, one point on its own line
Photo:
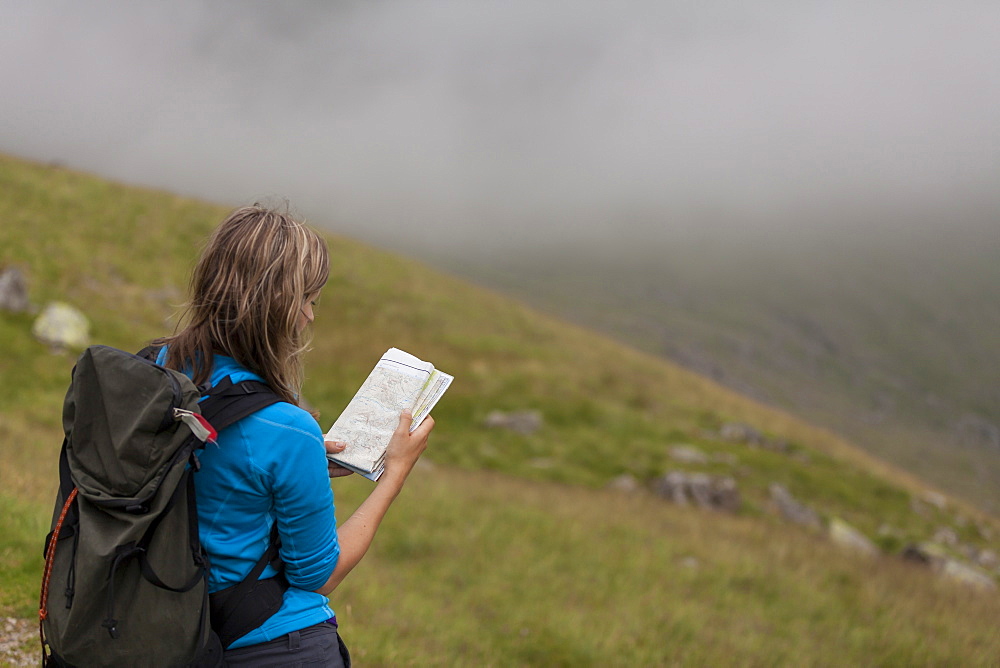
x=125 y=580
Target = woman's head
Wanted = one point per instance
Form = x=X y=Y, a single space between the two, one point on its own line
x=249 y=296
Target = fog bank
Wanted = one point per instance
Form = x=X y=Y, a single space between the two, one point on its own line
x=443 y=125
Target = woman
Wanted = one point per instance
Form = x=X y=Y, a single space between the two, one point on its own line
x=253 y=292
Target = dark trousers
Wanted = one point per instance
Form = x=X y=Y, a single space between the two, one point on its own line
x=318 y=645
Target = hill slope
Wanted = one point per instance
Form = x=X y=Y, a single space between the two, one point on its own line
x=506 y=549
x=884 y=337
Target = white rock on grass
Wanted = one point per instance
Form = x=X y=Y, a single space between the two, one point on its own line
x=62 y=326
x=968 y=575
x=845 y=535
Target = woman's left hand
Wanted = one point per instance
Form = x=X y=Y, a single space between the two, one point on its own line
x=333 y=448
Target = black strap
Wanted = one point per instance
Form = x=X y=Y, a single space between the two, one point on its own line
x=239 y=609
x=229 y=402
x=149 y=353
x=72 y=520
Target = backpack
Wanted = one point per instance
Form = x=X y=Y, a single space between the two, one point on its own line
x=126 y=576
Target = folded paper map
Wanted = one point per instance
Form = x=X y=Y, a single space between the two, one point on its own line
x=398 y=382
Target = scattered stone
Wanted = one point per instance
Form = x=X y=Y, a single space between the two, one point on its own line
x=625 y=483
x=845 y=535
x=699 y=486
x=62 y=326
x=988 y=559
x=19 y=642
x=725 y=458
x=690 y=563
x=687 y=454
x=672 y=486
x=935 y=499
x=13 y=291
x=927 y=554
x=968 y=575
x=792 y=510
x=726 y=495
x=945 y=536
x=737 y=432
x=711 y=492
x=521 y=422
x=936 y=558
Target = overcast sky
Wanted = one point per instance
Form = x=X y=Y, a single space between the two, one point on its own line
x=433 y=124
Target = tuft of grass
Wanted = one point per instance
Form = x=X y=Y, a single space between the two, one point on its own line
x=23 y=528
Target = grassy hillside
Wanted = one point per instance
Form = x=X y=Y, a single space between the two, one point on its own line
x=506 y=549
x=884 y=337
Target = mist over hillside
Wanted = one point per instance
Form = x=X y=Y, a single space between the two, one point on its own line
x=888 y=338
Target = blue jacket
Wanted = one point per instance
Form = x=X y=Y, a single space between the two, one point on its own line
x=269 y=467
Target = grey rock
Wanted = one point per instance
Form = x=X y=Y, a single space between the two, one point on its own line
x=726 y=495
x=709 y=492
x=700 y=487
x=946 y=536
x=687 y=454
x=691 y=563
x=791 y=509
x=968 y=575
x=624 y=483
x=937 y=558
x=927 y=553
x=13 y=291
x=843 y=534
x=988 y=559
x=935 y=499
x=673 y=487
x=737 y=432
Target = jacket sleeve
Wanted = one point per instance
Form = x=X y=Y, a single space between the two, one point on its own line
x=303 y=503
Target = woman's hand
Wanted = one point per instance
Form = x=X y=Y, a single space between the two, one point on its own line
x=336 y=470
x=356 y=534
x=405 y=447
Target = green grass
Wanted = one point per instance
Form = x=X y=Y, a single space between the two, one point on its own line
x=23 y=528
x=506 y=551
x=540 y=574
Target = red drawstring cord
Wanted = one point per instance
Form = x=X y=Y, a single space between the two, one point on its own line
x=43 y=604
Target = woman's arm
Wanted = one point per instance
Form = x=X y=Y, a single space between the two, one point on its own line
x=356 y=534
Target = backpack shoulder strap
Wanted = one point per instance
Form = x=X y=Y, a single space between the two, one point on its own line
x=228 y=402
x=150 y=352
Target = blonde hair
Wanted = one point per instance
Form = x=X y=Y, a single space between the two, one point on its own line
x=247 y=294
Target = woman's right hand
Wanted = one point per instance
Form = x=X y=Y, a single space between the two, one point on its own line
x=405 y=447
